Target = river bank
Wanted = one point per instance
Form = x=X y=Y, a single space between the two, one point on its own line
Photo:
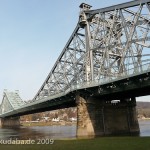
x=104 y=143
x=62 y=123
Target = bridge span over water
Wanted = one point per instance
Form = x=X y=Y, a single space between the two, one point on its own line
x=106 y=58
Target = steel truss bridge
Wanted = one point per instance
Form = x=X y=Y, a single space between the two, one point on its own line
x=107 y=56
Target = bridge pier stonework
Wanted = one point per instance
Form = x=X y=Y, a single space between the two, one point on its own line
x=97 y=117
x=10 y=122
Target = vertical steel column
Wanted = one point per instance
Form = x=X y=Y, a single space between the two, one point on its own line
x=89 y=56
x=85 y=23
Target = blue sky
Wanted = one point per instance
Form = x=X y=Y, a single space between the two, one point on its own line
x=32 y=35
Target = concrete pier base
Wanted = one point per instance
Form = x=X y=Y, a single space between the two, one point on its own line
x=97 y=117
x=10 y=122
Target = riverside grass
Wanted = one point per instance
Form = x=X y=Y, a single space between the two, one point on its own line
x=101 y=143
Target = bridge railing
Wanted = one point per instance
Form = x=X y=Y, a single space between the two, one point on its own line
x=126 y=74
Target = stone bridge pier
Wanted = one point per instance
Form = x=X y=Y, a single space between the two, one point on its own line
x=96 y=117
x=10 y=122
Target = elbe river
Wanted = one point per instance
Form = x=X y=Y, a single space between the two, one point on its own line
x=54 y=132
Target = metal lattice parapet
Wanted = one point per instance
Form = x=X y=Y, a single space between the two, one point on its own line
x=106 y=43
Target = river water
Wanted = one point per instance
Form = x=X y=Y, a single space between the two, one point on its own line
x=144 y=127
x=54 y=132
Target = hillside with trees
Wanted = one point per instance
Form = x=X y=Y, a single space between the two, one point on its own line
x=62 y=114
x=143 y=109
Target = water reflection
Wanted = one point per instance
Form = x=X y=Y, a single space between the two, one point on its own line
x=38 y=132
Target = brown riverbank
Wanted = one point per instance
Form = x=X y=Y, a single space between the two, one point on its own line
x=65 y=123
